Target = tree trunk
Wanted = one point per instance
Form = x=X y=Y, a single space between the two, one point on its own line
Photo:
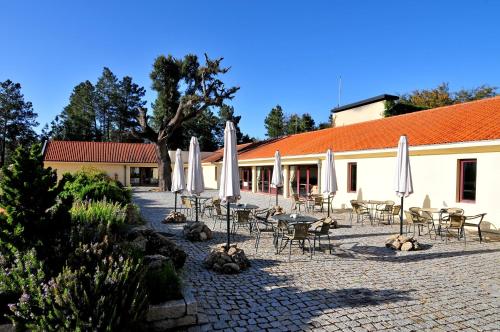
x=164 y=167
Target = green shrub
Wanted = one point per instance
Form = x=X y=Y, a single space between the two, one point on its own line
x=94 y=220
x=91 y=184
x=163 y=284
x=33 y=217
x=97 y=291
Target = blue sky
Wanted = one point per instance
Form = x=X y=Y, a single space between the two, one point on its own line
x=281 y=52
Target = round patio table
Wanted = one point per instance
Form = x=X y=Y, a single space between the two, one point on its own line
x=299 y=219
x=239 y=206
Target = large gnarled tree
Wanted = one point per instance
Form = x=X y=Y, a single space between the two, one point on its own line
x=185 y=90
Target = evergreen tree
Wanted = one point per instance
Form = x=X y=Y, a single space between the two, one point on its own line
x=17 y=120
x=293 y=124
x=106 y=91
x=307 y=123
x=226 y=113
x=275 y=122
x=29 y=193
x=129 y=100
x=78 y=120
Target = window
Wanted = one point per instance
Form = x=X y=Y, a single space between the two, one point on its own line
x=467 y=180
x=352 y=177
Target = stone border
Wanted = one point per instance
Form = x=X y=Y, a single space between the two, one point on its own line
x=7 y=328
x=175 y=313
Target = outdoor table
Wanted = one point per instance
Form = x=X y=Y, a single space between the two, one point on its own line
x=299 y=219
x=239 y=206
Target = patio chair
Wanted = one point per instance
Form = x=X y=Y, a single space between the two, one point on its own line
x=396 y=209
x=320 y=229
x=455 y=222
x=383 y=211
x=280 y=229
x=298 y=202
x=263 y=225
x=317 y=203
x=413 y=219
x=299 y=233
x=362 y=212
x=209 y=206
x=351 y=210
x=475 y=221
x=219 y=214
x=187 y=205
x=444 y=216
x=242 y=218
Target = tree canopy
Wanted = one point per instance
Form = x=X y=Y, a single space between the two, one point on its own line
x=436 y=97
x=185 y=90
x=106 y=111
x=275 y=122
x=278 y=124
x=17 y=120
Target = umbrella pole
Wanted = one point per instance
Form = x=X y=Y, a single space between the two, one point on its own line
x=276 y=196
x=175 y=202
x=328 y=205
x=196 y=206
x=401 y=218
x=228 y=227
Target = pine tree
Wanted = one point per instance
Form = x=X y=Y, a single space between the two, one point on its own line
x=275 y=122
x=78 y=120
x=129 y=100
x=17 y=120
x=106 y=91
x=29 y=198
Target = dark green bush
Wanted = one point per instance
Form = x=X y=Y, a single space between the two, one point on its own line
x=33 y=217
x=91 y=184
x=97 y=291
x=163 y=284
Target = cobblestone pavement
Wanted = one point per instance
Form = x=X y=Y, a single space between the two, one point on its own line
x=362 y=286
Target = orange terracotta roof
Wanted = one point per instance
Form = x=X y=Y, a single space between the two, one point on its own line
x=472 y=121
x=100 y=152
x=217 y=154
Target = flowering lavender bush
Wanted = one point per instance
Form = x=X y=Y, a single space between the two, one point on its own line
x=103 y=293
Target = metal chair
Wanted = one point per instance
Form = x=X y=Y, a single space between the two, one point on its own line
x=263 y=225
x=187 y=205
x=362 y=212
x=455 y=222
x=319 y=230
x=242 y=218
x=298 y=202
x=317 y=203
x=219 y=213
x=413 y=218
x=298 y=232
x=384 y=210
x=468 y=222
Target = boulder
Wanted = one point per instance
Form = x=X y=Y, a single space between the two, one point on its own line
x=407 y=246
x=197 y=231
x=230 y=268
x=156 y=244
x=174 y=217
x=228 y=262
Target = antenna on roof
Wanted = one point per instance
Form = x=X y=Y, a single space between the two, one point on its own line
x=340 y=90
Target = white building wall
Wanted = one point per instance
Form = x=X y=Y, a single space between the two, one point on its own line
x=211 y=175
x=434 y=183
x=359 y=114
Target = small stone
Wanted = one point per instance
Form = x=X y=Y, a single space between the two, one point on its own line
x=232 y=251
x=203 y=236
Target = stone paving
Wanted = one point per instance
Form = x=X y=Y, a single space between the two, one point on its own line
x=362 y=286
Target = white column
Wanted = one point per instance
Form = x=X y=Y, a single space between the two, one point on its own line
x=319 y=177
x=286 y=181
x=254 y=179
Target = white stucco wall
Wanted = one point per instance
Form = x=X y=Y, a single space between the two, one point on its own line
x=209 y=175
x=434 y=183
x=359 y=114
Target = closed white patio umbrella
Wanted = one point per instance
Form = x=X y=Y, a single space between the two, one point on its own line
x=178 y=179
x=403 y=185
x=230 y=176
x=329 y=177
x=277 y=178
x=195 y=184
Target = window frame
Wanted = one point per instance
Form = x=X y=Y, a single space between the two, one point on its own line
x=349 y=177
x=460 y=181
